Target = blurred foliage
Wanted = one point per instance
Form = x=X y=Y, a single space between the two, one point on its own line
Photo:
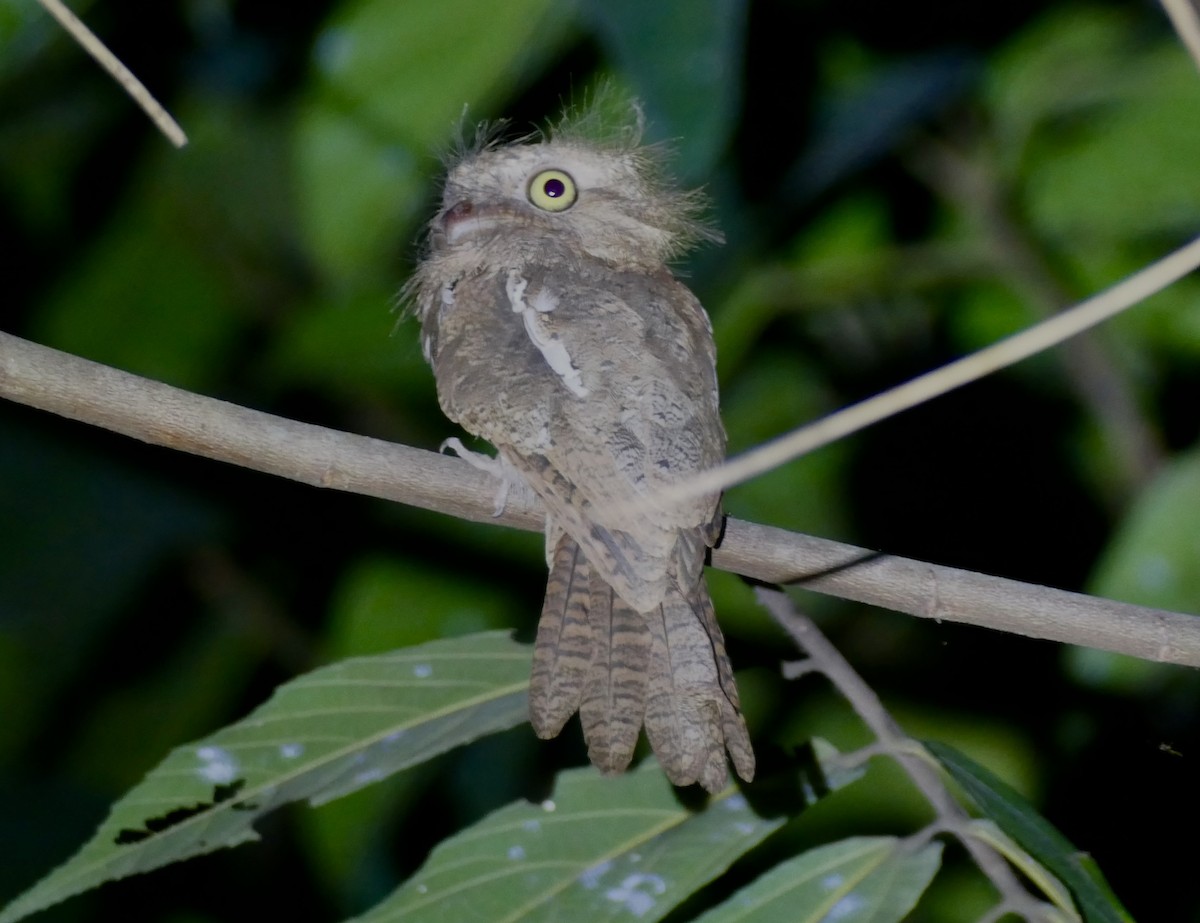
x=897 y=186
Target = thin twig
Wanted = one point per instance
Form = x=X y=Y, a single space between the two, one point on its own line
x=159 y=414
x=920 y=769
x=119 y=72
x=1099 y=386
x=1186 y=20
x=1009 y=351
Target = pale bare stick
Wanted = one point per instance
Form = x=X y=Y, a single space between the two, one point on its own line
x=1013 y=349
x=1186 y=20
x=119 y=72
x=162 y=415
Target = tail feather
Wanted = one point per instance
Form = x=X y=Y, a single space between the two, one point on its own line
x=614 y=699
x=682 y=723
x=692 y=713
x=733 y=725
x=618 y=668
x=563 y=652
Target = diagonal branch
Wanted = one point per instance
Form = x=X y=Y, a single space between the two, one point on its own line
x=970 y=185
x=1185 y=17
x=109 y=61
x=162 y=415
x=892 y=739
x=1015 y=348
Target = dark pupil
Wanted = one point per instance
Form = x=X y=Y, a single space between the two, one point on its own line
x=554 y=188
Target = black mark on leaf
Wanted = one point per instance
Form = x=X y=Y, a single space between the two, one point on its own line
x=176 y=816
x=227 y=791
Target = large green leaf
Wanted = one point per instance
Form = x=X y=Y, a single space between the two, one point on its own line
x=321 y=736
x=857 y=880
x=1151 y=559
x=1068 y=62
x=1017 y=817
x=387 y=62
x=598 y=849
x=1126 y=174
x=383 y=102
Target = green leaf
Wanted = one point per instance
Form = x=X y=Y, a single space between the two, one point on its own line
x=856 y=880
x=384 y=102
x=375 y=58
x=989 y=832
x=356 y=192
x=1098 y=129
x=846 y=256
x=1016 y=817
x=987 y=312
x=1127 y=173
x=321 y=736
x=144 y=274
x=1151 y=559
x=691 y=83
x=1063 y=64
x=600 y=848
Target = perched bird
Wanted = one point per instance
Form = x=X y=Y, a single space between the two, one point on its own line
x=557 y=333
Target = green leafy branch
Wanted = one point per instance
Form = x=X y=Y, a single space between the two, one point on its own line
x=598 y=848
x=1013 y=831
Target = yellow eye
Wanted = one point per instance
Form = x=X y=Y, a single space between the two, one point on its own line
x=553 y=191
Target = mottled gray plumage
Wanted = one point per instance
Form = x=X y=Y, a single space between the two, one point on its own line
x=556 y=332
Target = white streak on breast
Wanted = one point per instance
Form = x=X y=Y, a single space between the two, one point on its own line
x=514 y=287
x=548 y=344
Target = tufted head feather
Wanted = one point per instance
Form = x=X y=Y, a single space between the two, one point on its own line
x=624 y=208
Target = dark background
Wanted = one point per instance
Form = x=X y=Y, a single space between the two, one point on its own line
x=899 y=185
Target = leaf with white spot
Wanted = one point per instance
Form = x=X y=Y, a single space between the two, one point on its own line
x=599 y=849
x=856 y=880
x=320 y=736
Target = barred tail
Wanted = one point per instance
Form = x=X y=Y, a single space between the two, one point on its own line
x=619 y=668
x=693 y=714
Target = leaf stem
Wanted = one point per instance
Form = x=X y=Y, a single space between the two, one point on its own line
x=920 y=767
